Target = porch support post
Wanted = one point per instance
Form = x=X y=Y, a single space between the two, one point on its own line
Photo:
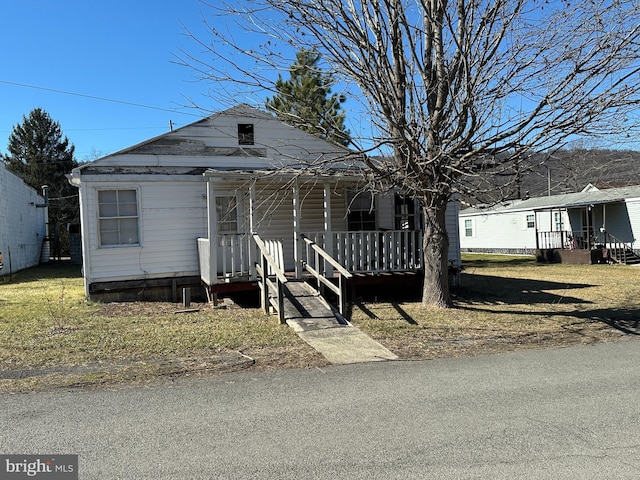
x=297 y=247
x=535 y=222
x=251 y=250
x=328 y=232
x=252 y=206
x=212 y=227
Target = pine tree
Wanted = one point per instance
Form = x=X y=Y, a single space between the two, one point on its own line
x=306 y=101
x=40 y=155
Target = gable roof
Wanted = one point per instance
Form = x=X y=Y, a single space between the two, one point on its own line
x=589 y=196
x=213 y=143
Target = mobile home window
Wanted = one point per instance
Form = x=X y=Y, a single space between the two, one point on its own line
x=362 y=214
x=118 y=217
x=557 y=220
x=468 y=228
x=245 y=134
x=531 y=221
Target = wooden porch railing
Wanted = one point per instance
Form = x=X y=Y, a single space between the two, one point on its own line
x=234 y=262
x=319 y=264
x=271 y=290
x=566 y=240
x=375 y=251
x=617 y=250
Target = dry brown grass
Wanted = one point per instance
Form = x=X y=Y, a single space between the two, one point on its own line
x=507 y=303
x=51 y=337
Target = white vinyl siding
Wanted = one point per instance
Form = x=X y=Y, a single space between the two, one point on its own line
x=22 y=224
x=172 y=215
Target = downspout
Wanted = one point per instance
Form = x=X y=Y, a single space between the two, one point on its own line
x=45 y=205
x=45 y=253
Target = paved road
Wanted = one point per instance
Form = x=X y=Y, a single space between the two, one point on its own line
x=565 y=413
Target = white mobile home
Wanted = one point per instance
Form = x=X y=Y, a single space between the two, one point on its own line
x=23 y=223
x=591 y=226
x=239 y=177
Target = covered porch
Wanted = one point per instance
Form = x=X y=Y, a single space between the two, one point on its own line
x=288 y=236
x=587 y=240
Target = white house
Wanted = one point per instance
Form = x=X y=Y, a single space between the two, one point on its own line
x=148 y=212
x=23 y=223
x=590 y=226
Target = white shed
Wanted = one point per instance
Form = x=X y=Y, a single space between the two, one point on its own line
x=22 y=223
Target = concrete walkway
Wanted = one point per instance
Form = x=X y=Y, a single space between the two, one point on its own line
x=315 y=322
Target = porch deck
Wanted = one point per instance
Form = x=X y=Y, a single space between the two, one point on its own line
x=357 y=259
x=583 y=247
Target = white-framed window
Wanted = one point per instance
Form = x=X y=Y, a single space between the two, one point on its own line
x=227 y=213
x=558 y=221
x=118 y=219
x=361 y=214
x=468 y=228
x=405 y=212
x=530 y=221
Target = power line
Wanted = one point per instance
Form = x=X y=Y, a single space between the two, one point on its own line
x=93 y=97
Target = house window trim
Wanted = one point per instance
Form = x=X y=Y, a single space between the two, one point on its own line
x=526 y=221
x=246 y=138
x=350 y=194
x=136 y=189
x=466 y=229
x=558 y=221
x=240 y=220
x=410 y=217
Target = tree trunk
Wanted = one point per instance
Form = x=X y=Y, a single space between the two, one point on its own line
x=435 y=244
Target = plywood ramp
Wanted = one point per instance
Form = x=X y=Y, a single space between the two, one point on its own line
x=318 y=325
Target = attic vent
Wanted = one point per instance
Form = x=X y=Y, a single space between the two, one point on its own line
x=245 y=134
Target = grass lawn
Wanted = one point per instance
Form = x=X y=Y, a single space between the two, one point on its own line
x=505 y=303
x=50 y=336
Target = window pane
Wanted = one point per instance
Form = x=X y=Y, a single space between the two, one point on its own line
x=128 y=209
x=108 y=196
x=108 y=226
x=108 y=203
x=129 y=231
x=108 y=210
x=127 y=196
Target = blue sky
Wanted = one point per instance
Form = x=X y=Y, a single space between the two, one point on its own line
x=118 y=50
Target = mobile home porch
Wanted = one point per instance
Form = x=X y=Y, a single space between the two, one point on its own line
x=591 y=243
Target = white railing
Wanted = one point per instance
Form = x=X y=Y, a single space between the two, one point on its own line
x=373 y=251
x=271 y=278
x=319 y=265
x=233 y=260
x=203 y=260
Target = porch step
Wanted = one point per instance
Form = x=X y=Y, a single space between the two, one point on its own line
x=315 y=322
x=630 y=258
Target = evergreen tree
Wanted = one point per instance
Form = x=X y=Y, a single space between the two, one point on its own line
x=40 y=155
x=306 y=101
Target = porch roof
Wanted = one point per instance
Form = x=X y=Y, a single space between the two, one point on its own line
x=353 y=174
x=568 y=200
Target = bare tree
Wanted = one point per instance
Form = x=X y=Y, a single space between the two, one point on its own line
x=452 y=88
